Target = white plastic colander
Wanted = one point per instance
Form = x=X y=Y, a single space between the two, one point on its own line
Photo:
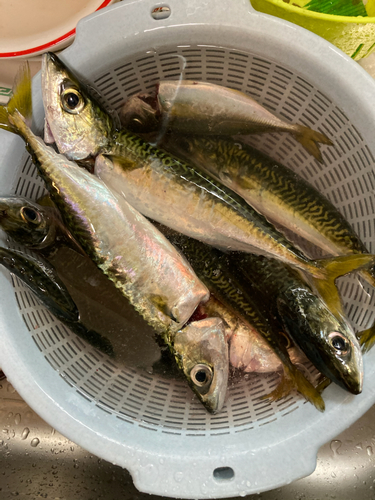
x=149 y=423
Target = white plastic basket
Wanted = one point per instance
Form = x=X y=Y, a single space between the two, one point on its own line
x=148 y=423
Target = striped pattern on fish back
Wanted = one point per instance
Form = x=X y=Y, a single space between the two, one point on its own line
x=140 y=153
x=254 y=170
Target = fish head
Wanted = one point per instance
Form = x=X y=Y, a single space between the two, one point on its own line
x=327 y=340
x=139 y=116
x=201 y=352
x=74 y=120
x=26 y=222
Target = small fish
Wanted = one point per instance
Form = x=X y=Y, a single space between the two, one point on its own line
x=275 y=191
x=43 y=280
x=202 y=108
x=128 y=249
x=165 y=189
x=35 y=226
x=328 y=342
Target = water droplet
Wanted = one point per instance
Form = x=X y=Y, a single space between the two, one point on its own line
x=333 y=474
x=242 y=493
x=72 y=448
x=10 y=414
x=1 y=442
x=25 y=433
x=204 y=488
x=17 y=419
x=76 y=466
x=370 y=451
x=359 y=446
x=335 y=446
x=5 y=431
x=52 y=431
x=34 y=442
x=10 y=388
x=178 y=476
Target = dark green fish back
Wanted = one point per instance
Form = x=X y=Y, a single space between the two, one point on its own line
x=138 y=153
x=43 y=281
x=253 y=168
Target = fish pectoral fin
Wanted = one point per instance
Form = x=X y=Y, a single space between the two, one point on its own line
x=161 y=304
x=45 y=201
x=309 y=139
x=334 y=268
x=125 y=162
x=367 y=338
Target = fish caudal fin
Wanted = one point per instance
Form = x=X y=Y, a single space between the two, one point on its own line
x=334 y=268
x=310 y=139
x=369 y=275
x=367 y=338
x=291 y=379
x=20 y=101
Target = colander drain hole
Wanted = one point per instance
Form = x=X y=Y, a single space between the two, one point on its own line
x=223 y=474
x=161 y=12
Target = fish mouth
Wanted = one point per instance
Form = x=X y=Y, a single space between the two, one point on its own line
x=353 y=383
x=51 y=62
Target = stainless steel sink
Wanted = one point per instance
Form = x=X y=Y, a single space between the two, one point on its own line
x=39 y=462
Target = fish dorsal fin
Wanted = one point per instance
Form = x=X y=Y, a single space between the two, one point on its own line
x=21 y=99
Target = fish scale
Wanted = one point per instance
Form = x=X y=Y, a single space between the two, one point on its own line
x=134 y=154
x=254 y=175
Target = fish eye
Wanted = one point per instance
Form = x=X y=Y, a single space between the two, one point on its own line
x=201 y=375
x=136 y=125
x=339 y=342
x=31 y=215
x=72 y=101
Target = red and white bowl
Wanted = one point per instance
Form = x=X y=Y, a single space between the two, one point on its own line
x=33 y=27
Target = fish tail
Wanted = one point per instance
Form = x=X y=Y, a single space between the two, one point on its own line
x=369 y=275
x=20 y=101
x=309 y=139
x=367 y=338
x=335 y=267
x=291 y=379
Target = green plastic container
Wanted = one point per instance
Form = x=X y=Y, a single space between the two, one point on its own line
x=353 y=35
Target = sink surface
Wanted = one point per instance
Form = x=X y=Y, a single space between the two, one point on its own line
x=39 y=462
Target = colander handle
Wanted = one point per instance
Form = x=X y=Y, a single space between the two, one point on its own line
x=98 y=32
